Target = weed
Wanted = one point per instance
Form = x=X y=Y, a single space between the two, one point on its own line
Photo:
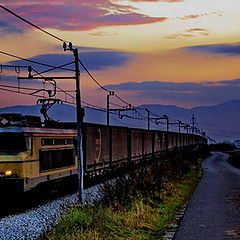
x=138 y=206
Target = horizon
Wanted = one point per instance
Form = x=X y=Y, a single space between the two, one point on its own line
x=191 y=52
x=219 y=126
x=157 y=104
x=183 y=53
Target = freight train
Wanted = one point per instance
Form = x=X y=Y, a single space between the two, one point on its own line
x=31 y=154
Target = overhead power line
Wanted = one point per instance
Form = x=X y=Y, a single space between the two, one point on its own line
x=91 y=76
x=60 y=67
x=12 y=66
x=11 y=89
x=105 y=89
x=54 y=68
x=65 y=92
x=33 y=25
x=35 y=62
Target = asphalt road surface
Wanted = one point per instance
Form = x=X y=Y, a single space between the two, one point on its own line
x=213 y=212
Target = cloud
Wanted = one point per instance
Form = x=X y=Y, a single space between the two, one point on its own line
x=157 y=0
x=186 y=93
x=224 y=49
x=190 y=17
x=97 y=34
x=179 y=35
x=6 y=27
x=78 y=15
x=189 y=33
x=193 y=16
x=198 y=30
x=95 y=59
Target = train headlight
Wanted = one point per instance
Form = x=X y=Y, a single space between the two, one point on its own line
x=8 y=173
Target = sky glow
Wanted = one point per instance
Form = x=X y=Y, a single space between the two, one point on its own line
x=189 y=41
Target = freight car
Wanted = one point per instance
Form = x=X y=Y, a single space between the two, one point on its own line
x=31 y=154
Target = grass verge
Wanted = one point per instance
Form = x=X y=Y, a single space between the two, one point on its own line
x=141 y=217
x=234 y=158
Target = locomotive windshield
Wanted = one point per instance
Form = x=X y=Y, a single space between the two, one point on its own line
x=12 y=143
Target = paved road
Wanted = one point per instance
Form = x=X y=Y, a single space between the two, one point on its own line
x=213 y=212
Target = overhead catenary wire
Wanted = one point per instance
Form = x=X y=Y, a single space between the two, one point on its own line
x=104 y=88
x=68 y=94
x=14 y=87
x=12 y=66
x=91 y=76
x=60 y=90
x=32 y=61
x=61 y=66
x=54 y=68
x=4 y=88
x=32 y=24
x=26 y=88
x=85 y=104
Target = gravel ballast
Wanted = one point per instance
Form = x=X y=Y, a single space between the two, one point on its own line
x=37 y=221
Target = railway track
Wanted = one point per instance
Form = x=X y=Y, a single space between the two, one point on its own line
x=34 y=222
x=31 y=223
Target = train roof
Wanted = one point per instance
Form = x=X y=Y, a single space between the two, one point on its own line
x=14 y=129
x=17 y=119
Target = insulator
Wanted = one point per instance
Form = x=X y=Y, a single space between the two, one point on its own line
x=17 y=69
x=64 y=46
x=29 y=72
x=70 y=46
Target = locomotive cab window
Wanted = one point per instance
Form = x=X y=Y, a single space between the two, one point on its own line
x=12 y=143
x=51 y=159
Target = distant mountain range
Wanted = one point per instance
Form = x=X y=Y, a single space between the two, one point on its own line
x=221 y=122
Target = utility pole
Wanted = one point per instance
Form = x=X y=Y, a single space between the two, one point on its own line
x=80 y=115
x=148 y=119
x=111 y=93
x=167 y=140
x=193 y=123
x=157 y=121
x=179 y=126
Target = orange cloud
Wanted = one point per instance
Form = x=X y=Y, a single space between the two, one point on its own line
x=189 y=33
x=193 y=16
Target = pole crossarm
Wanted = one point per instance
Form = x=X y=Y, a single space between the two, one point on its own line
x=46 y=78
x=130 y=108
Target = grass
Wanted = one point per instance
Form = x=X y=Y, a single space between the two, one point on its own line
x=141 y=217
x=234 y=158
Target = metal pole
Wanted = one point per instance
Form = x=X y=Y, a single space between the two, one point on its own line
x=80 y=114
x=148 y=118
x=108 y=109
x=179 y=131
x=167 y=133
x=167 y=124
x=193 y=123
x=111 y=93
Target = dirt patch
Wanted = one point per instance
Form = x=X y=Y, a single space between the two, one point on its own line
x=235 y=201
x=233 y=233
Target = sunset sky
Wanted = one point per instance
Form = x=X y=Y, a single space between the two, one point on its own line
x=181 y=52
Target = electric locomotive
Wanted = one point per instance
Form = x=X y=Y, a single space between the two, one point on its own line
x=31 y=154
